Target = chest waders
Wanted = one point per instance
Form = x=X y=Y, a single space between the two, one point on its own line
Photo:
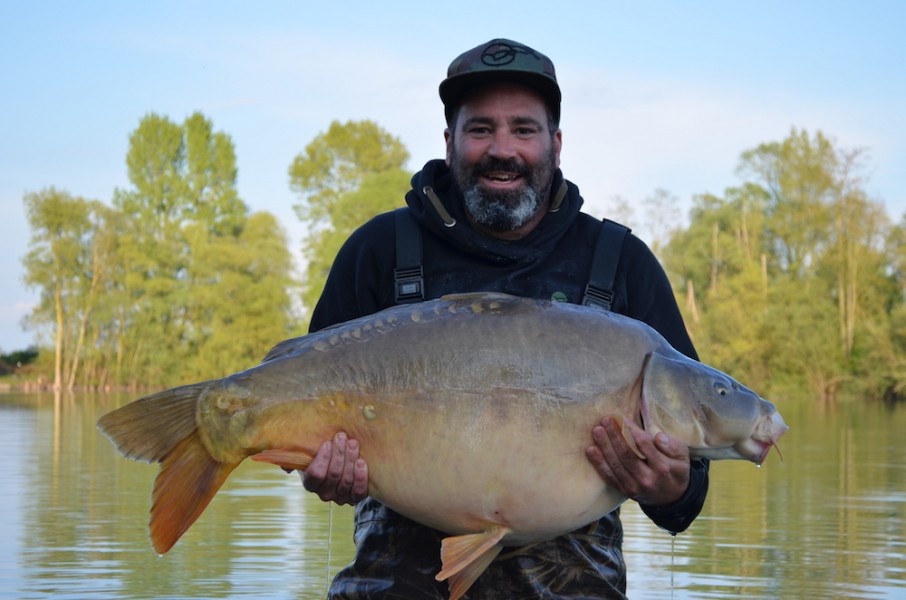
x=409 y=276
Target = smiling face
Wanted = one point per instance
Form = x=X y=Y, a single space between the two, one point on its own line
x=503 y=155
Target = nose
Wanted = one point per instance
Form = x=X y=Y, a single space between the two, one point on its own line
x=502 y=145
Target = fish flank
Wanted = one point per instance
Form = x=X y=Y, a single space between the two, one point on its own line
x=487 y=386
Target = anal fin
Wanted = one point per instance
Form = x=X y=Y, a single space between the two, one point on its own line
x=465 y=557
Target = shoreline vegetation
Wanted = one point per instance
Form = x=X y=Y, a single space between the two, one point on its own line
x=795 y=278
x=43 y=386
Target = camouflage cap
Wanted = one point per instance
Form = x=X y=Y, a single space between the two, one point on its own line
x=500 y=60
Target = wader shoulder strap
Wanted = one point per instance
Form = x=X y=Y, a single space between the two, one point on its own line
x=408 y=276
x=599 y=291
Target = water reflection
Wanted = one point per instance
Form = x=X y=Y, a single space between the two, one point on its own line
x=829 y=522
x=82 y=516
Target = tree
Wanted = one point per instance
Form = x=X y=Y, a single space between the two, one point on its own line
x=176 y=282
x=182 y=176
x=797 y=262
x=154 y=248
x=718 y=261
x=98 y=260
x=239 y=306
x=347 y=175
x=65 y=261
x=205 y=284
x=662 y=217
x=798 y=176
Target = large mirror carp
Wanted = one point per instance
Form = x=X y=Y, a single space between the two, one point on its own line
x=458 y=404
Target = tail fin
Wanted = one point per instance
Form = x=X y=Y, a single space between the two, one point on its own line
x=162 y=428
x=149 y=428
x=187 y=481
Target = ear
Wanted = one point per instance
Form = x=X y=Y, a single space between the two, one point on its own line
x=448 y=140
x=558 y=145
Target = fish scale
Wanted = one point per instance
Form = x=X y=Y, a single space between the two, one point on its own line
x=457 y=403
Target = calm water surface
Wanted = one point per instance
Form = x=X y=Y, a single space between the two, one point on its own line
x=828 y=522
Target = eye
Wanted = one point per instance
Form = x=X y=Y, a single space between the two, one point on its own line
x=721 y=389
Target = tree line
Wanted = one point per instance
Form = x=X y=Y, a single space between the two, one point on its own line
x=175 y=281
x=793 y=280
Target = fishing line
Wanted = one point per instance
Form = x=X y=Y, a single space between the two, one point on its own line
x=672 y=565
x=329 y=546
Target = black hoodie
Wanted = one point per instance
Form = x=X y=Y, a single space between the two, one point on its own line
x=399 y=558
x=555 y=257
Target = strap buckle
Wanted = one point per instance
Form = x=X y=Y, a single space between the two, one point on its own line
x=409 y=285
x=595 y=296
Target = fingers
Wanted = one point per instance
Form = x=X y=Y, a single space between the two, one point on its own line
x=659 y=479
x=337 y=473
x=359 y=481
x=671 y=447
x=613 y=457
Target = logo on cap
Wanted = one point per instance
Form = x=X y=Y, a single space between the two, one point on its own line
x=499 y=55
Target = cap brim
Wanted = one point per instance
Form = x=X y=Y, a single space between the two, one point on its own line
x=454 y=90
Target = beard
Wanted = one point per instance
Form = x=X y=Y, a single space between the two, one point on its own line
x=503 y=210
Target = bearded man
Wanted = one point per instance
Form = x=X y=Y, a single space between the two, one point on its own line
x=497 y=215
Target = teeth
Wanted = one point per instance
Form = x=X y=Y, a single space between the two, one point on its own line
x=501 y=177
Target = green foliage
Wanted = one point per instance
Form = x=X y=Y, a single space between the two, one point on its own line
x=17 y=359
x=239 y=302
x=345 y=177
x=176 y=282
x=66 y=262
x=20 y=357
x=795 y=279
x=335 y=162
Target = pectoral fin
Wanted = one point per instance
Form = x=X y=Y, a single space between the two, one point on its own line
x=465 y=557
x=289 y=460
x=627 y=435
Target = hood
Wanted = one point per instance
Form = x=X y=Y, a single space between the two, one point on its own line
x=439 y=208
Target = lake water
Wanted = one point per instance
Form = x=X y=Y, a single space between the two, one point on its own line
x=828 y=522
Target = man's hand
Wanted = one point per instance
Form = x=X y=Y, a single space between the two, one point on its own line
x=659 y=479
x=337 y=473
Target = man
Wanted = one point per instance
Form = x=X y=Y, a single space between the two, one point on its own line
x=497 y=215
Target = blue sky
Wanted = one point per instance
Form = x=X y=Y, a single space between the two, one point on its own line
x=656 y=94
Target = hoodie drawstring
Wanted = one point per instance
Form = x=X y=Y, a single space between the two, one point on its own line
x=439 y=206
x=557 y=200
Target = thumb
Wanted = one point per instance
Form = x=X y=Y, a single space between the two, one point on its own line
x=669 y=446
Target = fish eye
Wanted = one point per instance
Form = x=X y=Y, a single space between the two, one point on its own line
x=721 y=389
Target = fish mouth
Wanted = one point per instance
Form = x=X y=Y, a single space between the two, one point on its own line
x=765 y=450
x=775 y=430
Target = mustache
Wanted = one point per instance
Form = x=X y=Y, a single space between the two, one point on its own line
x=490 y=164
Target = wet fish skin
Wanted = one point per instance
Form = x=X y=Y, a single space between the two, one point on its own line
x=457 y=403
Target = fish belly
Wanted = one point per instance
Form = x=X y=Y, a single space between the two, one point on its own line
x=467 y=461
x=470 y=412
